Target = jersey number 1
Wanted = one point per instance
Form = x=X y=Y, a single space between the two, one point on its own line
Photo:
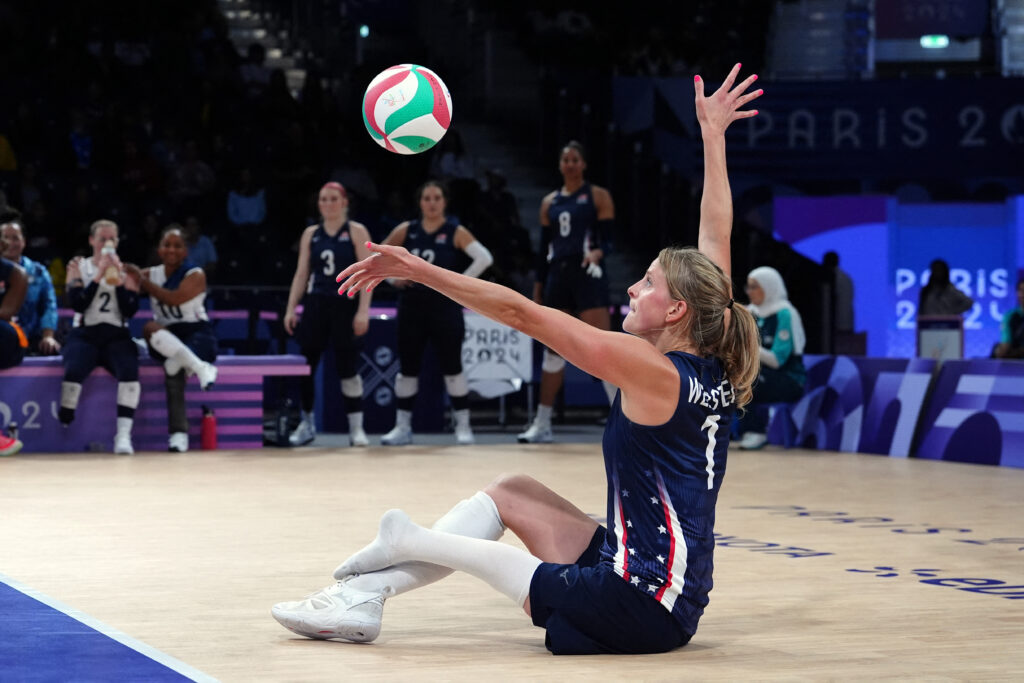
x=711 y=424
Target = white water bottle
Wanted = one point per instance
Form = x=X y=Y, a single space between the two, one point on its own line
x=111 y=275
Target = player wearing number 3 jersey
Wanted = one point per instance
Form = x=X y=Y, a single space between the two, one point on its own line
x=104 y=297
x=180 y=335
x=329 y=320
x=426 y=316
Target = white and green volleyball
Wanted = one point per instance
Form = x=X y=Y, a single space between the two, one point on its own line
x=407 y=109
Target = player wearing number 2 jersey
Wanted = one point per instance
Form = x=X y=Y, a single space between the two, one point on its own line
x=328 y=319
x=180 y=335
x=426 y=316
x=575 y=219
x=104 y=297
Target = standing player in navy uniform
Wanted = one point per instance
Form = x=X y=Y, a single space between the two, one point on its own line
x=104 y=297
x=180 y=335
x=687 y=365
x=328 y=319
x=574 y=220
x=426 y=316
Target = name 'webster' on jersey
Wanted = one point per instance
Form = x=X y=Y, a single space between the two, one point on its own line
x=663 y=486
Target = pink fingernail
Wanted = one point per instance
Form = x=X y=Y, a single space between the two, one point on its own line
x=696 y=78
x=739 y=64
x=369 y=244
x=755 y=77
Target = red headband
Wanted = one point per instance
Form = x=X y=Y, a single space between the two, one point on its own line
x=335 y=186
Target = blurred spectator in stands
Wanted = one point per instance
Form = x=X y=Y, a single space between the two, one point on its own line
x=782 y=373
x=38 y=313
x=141 y=176
x=167 y=148
x=939 y=296
x=247 y=203
x=8 y=159
x=453 y=165
x=499 y=224
x=201 y=250
x=255 y=74
x=29 y=189
x=192 y=180
x=81 y=140
x=842 y=293
x=1011 y=331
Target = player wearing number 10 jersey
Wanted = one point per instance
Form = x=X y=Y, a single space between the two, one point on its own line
x=329 y=320
x=104 y=297
x=180 y=335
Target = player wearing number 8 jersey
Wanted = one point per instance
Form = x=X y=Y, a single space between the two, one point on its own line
x=180 y=335
x=104 y=297
x=426 y=316
x=328 y=319
x=575 y=221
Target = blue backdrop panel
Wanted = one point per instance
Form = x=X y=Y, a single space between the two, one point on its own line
x=976 y=414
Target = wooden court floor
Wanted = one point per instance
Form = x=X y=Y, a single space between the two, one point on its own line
x=829 y=566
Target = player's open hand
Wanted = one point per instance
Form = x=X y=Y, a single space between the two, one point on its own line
x=717 y=111
x=383 y=262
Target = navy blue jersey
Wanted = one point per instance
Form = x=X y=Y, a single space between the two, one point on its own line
x=437 y=247
x=328 y=256
x=663 y=483
x=573 y=220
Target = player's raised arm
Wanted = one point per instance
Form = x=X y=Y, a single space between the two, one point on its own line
x=715 y=113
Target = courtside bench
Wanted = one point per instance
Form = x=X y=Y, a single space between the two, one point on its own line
x=30 y=396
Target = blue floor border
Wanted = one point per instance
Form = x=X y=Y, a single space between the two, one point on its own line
x=42 y=639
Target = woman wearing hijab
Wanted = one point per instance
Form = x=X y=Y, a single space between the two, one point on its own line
x=782 y=375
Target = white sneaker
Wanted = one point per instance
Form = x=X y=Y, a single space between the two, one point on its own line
x=358 y=438
x=399 y=436
x=751 y=441
x=178 y=443
x=334 y=612
x=464 y=436
x=123 y=443
x=536 y=433
x=207 y=374
x=303 y=434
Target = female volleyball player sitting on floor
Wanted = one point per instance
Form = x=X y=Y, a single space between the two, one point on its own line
x=180 y=334
x=688 y=364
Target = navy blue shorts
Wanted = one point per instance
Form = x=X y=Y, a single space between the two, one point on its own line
x=198 y=336
x=570 y=288
x=588 y=609
x=108 y=346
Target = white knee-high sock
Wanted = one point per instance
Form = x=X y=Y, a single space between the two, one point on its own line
x=171 y=347
x=475 y=517
x=507 y=569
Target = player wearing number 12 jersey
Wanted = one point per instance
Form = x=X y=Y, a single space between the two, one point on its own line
x=180 y=335
x=329 y=320
x=104 y=297
x=426 y=316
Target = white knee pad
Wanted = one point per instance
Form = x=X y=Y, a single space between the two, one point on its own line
x=552 y=362
x=456 y=384
x=69 y=394
x=406 y=386
x=352 y=387
x=128 y=394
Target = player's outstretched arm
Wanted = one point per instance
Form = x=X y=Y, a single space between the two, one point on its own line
x=715 y=113
x=628 y=362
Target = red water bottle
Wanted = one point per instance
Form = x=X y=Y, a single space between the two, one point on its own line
x=208 y=430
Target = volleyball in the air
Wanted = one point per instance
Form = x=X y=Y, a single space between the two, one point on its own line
x=407 y=108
